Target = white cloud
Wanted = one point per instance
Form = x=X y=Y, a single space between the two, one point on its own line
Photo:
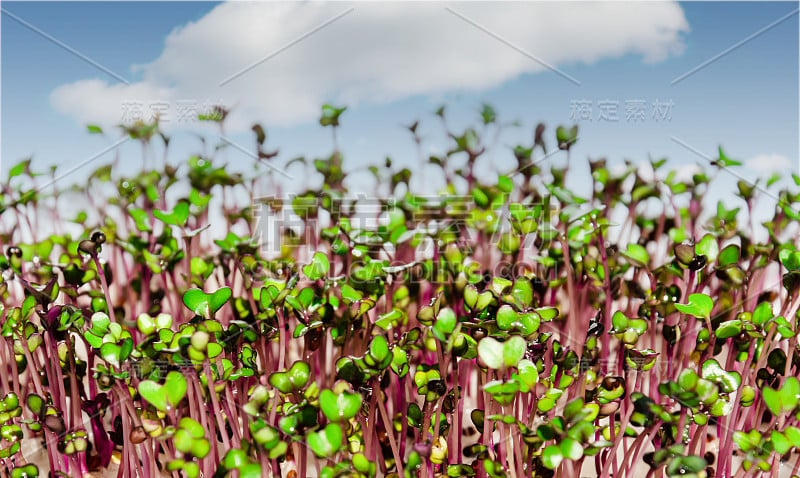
x=686 y=172
x=379 y=52
x=769 y=163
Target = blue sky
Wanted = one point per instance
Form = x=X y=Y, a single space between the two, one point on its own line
x=393 y=64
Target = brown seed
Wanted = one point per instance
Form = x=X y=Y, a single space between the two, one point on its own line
x=610 y=383
x=98 y=237
x=55 y=424
x=88 y=247
x=479 y=333
x=138 y=435
x=609 y=408
x=684 y=252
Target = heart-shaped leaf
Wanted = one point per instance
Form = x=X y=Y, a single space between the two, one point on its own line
x=115 y=354
x=566 y=137
x=445 y=324
x=178 y=216
x=491 y=352
x=326 y=442
x=291 y=380
x=783 y=400
x=206 y=304
x=164 y=396
x=26 y=471
x=728 y=381
x=339 y=407
x=497 y=355
x=318 y=268
x=154 y=394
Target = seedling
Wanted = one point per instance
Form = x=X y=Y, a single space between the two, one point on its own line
x=509 y=326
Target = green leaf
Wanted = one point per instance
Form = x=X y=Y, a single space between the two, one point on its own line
x=349 y=294
x=19 y=168
x=35 y=403
x=637 y=254
x=293 y=379
x=790 y=259
x=728 y=256
x=792 y=434
x=145 y=324
x=330 y=115
x=505 y=184
x=699 y=306
x=399 y=361
x=506 y=317
x=491 y=352
x=725 y=161
x=234 y=459
x=175 y=386
x=140 y=218
x=728 y=329
x=318 y=268
x=785 y=399
x=339 y=407
x=26 y=471
x=390 y=319
x=192 y=426
x=527 y=376
x=762 y=313
x=728 y=381
x=206 y=304
x=114 y=353
x=250 y=470
x=445 y=324
x=552 y=457
x=780 y=443
x=513 y=351
x=547 y=313
x=178 y=216
x=522 y=292
x=379 y=351
x=685 y=465
x=200 y=448
x=325 y=443
x=707 y=247
x=566 y=137
x=183 y=441
x=571 y=449
x=164 y=396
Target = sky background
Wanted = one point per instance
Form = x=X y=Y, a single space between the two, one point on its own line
x=394 y=63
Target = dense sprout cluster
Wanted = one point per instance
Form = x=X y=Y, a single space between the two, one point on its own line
x=507 y=326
